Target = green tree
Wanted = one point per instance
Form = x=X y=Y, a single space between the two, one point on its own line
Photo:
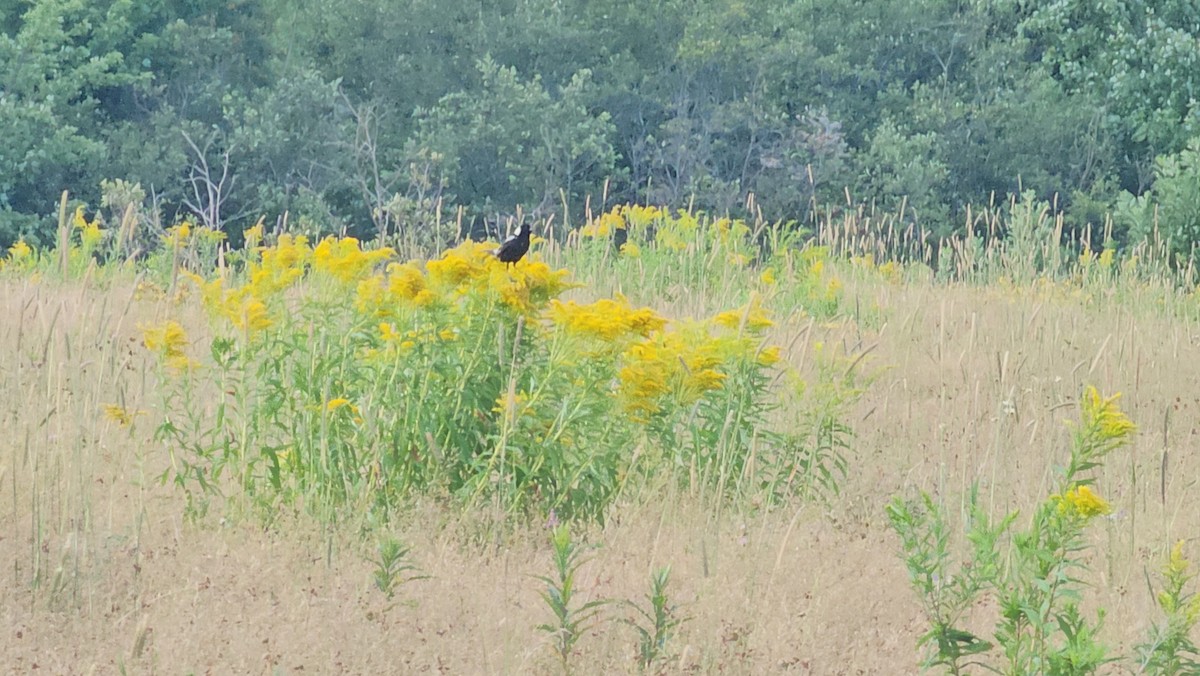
x=513 y=143
x=55 y=72
x=1140 y=58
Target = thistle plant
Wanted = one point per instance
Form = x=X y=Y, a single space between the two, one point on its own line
x=569 y=622
x=1036 y=575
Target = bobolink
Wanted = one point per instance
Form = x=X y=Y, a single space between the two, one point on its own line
x=515 y=247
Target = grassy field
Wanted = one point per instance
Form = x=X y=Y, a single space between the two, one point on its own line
x=117 y=559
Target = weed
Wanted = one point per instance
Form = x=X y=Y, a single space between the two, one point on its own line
x=570 y=622
x=1036 y=583
x=1169 y=648
x=392 y=566
x=656 y=623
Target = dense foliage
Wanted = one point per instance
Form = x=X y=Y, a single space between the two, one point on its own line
x=377 y=117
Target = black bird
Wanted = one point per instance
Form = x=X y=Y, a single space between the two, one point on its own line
x=515 y=247
x=620 y=236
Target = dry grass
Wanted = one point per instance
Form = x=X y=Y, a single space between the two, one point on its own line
x=101 y=573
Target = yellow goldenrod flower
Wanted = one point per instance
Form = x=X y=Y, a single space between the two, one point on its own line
x=510 y=402
x=890 y=271
x=526 y=285
x=344 y=260
x=280 y=267
x=335 y=404
x=606 y=319
x=752 y=318
x=19 y=251
x=678 y=366
x=465 y=262
x=1105 y=417
x=370 y=297
x=91 y=233
x=388 y=333
x=768 y=356
x=833 y=289
x=209 y=236
x=1081 y=501
x=767 y=278
x=1177 y=565
x=405 y=281
x=169 y=341
x=603 y=226
x=1173 y=599
x=178 y=236
x=640 y=216
x=239 y=306
x=120 y=415
x=631 y=250
x=1086 y=257
x=1106 y=258
x=253 y=316
x=79 y=221
x=253 y=236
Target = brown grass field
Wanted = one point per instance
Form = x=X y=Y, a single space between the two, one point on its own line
x=102 y=574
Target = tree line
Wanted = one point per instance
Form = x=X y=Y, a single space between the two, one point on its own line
x=373 y=116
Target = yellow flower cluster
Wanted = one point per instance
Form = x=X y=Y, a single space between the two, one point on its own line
x=169 y=341
x=679 y=365
x=246 y=311
x=641 y=217
x=403 y=285
x=178 y=236
x=19 y=251
x=682 y=364
x=674 y=232
x=623 y=217
x=527 y=285
x=1082 y=502
x=20 y=256
x=1104 y=416
x=344 y=260
x=1177 y=577
x=252 y=237
x=605 y=226
x=280 y=266
x=606 y=319
x=401 y=343
x=121 y=415
x=460 y=265
x=750 y=318
x=731 y=232
x=471 y=268
x=271 y=271
x=677 y=233
x=90 y=233
x=511 y=404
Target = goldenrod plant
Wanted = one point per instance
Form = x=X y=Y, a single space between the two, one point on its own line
x=1169 y=648
x=1036 y=574
x=346 y=378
